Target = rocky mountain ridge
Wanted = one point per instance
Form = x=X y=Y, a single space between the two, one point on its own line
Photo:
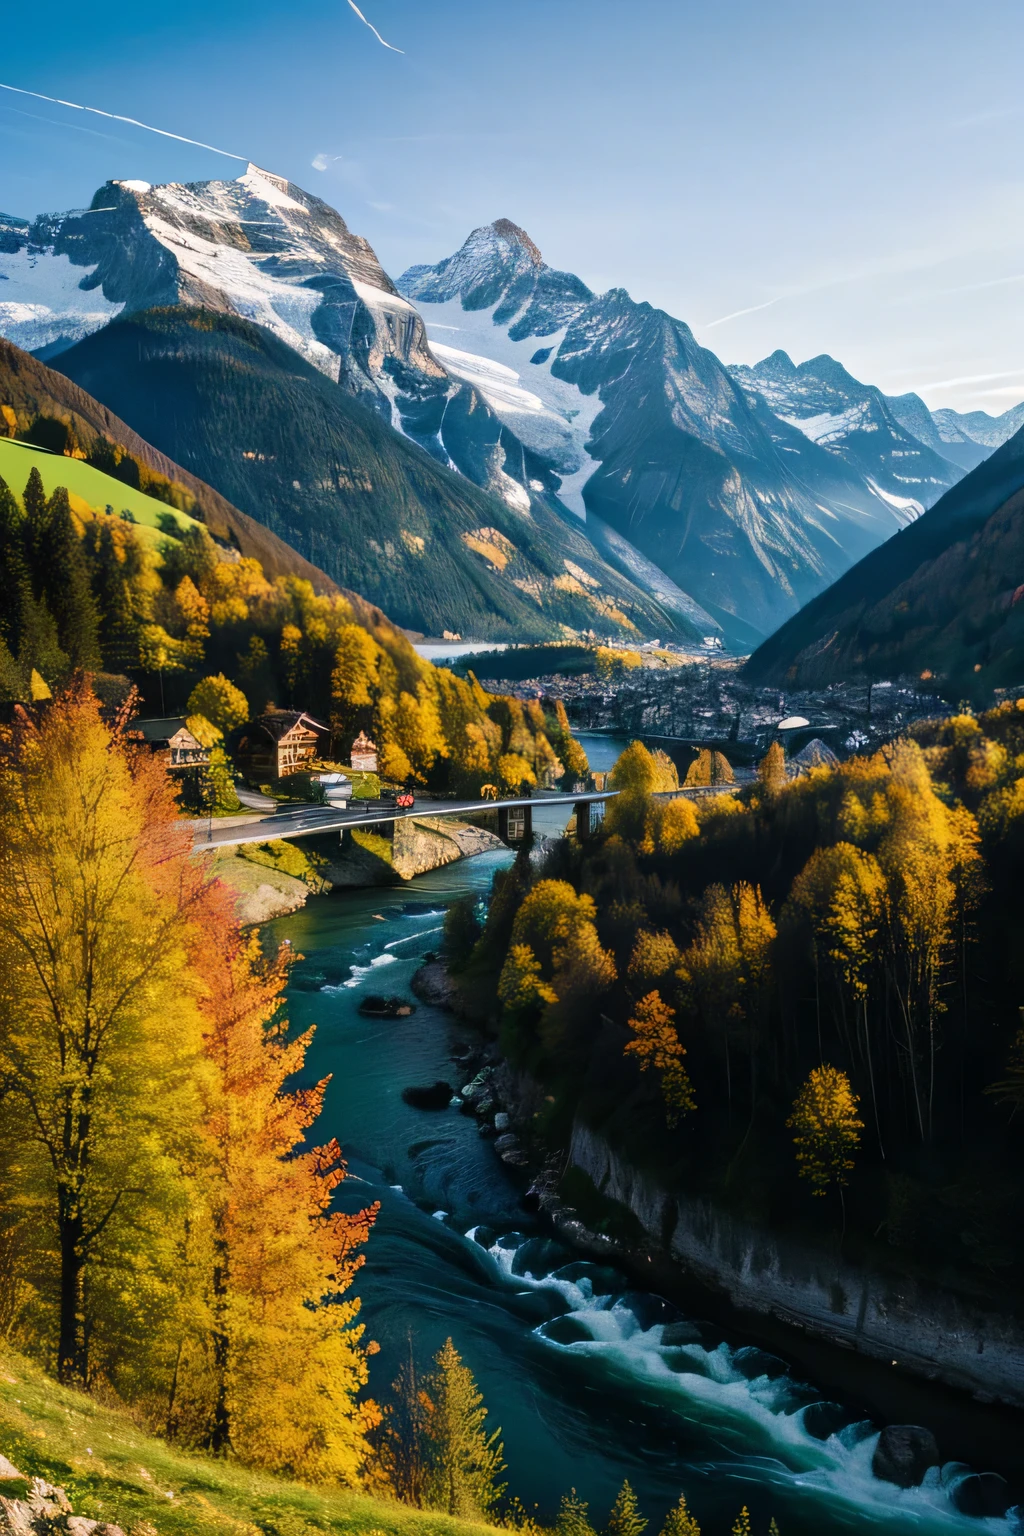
x=648 y=434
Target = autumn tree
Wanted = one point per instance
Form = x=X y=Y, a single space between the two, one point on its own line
x=656 y=1045
x=276 y=1374
x=464 y=1462
x=573 y=1516
x=741 y=1525
x=826 y=1130
x=771 y=771
x=624 y=1518
x=99 y=1024
x=219 y=701
x=654 y=955
x=726 y=970
x=841 y=892
x=679 y=1521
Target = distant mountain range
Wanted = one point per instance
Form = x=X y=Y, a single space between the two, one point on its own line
x=943 y=600
x=752 y=488
x=311 y=407
x=486 y=446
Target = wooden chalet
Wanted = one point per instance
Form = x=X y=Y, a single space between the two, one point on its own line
x=278 y=743
x=173 y=741
x=363 y=756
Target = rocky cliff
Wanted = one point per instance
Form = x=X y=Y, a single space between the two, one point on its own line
x=927 y=1330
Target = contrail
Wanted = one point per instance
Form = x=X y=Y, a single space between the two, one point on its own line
x=116 y=117
x=736 y=315
x=373 y=29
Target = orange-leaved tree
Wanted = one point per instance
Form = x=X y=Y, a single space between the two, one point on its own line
x=656 y=1044
x=275 y=1372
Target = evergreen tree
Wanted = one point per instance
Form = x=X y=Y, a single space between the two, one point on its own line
x=60 y=574
x=401 y=1438
x=463 y=1461
x=679 y=1521
x=625 y=1518
x=14 y=571
x=13 y=685
x=741 y=1526
x=573 y=1518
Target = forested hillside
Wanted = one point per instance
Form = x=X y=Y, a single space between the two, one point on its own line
x=809 y=989
x=330 y=476
x=86 y=594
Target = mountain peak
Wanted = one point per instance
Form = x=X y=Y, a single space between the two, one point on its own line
x=516 y=235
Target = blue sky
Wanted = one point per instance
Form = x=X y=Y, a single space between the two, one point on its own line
x=848 y=175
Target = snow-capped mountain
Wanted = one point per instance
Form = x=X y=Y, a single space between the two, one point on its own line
x=261 y=248
x=646 y=433
x=856 y=423
x=979 y=427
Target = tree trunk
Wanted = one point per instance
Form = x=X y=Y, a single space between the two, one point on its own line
x=69 y=1350
x=220 y=1429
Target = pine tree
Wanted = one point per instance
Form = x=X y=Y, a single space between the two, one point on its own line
x=773 y=1529
x=463 y=1461
x=573 y=1518
x=741 y=1526
x=401 y=1437
x=14 y=571
x=625 y=1518
x=679 y=1521
x=61 y=576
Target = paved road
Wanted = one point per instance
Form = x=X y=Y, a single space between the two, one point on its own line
x=306 y=820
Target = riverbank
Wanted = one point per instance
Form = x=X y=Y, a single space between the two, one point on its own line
x=883 y=1335
x=271 y=880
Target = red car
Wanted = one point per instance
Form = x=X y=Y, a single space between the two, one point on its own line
x=405 y=800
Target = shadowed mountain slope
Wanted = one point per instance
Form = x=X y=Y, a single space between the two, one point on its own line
x=944 y=597
x=245 y=411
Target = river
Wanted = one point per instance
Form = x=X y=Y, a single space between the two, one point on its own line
x=589 y=1380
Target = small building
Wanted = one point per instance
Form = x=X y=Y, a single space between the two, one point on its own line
x=364 y=754
x=278 y=743
x=172 y=740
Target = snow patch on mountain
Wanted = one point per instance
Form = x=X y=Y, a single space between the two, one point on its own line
x=551 y=416
x=907 y=508
x=49 y=299
x=828 y=427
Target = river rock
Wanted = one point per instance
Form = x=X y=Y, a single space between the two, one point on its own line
x=434 y=1096
x=433 y=985
x=386 y=1007
x=983 y=1495
x=506 y=1143
x=903 y=1454
x=501 y=1121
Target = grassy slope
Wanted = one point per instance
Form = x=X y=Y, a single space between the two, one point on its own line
x=111 y=1470
x=90 y=490
x=31 y=389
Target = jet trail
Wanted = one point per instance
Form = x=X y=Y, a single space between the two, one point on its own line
x=373 y=29
x=736 y=314
x=116 y=117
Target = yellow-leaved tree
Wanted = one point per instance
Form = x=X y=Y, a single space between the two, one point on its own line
x=826 y=1129
x=100 y=1031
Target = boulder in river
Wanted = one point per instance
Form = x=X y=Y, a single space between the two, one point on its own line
x=983 y=1495
x=434 y=1096
x=386 y=1007
x=903 y=1454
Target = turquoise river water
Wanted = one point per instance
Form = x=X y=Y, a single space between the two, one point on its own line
x=590 y=1380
